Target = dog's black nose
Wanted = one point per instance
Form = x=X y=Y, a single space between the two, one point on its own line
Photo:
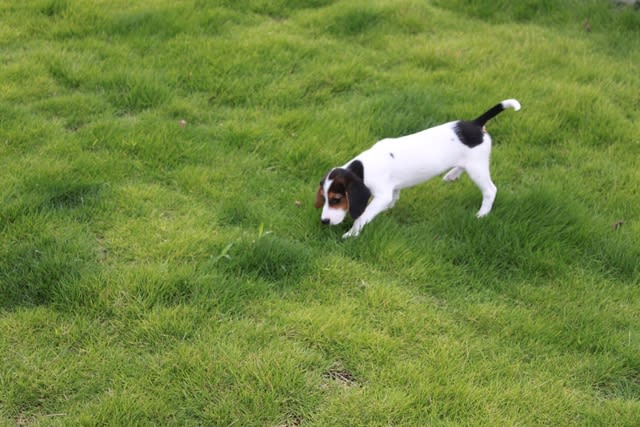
x=325 y=221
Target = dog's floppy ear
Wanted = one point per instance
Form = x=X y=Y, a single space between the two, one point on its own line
x=319 y=198
x=358 y=195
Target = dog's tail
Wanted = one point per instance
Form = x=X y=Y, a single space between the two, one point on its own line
x=497 y=109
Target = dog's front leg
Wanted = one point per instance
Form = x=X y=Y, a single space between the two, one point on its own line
x=377 y=205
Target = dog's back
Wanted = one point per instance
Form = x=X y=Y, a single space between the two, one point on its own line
x=415 y=158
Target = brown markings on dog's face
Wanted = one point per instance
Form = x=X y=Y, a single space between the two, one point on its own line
x=338 y=201
x=342 y=191
x=332 y=197
x=337 y=194
x=319 y=197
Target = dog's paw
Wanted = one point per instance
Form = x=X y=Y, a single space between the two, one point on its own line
x=350 y=233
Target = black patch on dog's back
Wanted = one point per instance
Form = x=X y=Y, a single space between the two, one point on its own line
x=470 y=133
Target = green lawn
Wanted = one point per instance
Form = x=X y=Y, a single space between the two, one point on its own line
x=161 y=262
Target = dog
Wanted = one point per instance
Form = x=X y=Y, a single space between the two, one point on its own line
x=392 y=164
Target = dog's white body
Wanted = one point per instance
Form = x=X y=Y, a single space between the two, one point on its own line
x=396 y=163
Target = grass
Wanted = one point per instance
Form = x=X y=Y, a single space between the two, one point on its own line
x=161 y=261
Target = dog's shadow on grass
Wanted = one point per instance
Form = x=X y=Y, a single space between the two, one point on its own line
x=540 y=234
x=537 y=234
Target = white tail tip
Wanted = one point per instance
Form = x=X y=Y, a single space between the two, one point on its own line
x=511 y=103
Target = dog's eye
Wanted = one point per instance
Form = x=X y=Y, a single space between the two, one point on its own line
x=334 y=201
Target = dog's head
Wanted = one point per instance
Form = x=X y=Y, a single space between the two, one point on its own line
x=342 y=191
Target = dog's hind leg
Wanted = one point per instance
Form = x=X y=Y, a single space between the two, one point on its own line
x=453 y=174
x=481 y=177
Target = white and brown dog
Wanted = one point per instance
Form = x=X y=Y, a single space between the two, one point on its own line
x=396 y=163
